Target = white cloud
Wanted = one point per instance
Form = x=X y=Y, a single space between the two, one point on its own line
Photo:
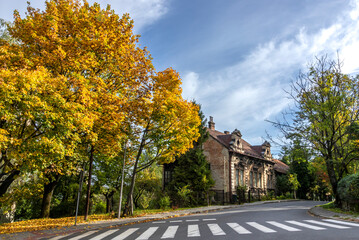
x=189 y=85
x=143 y=12
x=248 y=92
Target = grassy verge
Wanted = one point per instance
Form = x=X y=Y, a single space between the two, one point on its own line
x=330 y=206
x=48 y=223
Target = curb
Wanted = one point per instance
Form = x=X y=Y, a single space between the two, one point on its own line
x=320 y=212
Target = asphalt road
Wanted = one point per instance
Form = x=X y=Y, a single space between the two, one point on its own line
x=286 y=220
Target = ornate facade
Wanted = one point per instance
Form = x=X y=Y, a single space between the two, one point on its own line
x=233 y=162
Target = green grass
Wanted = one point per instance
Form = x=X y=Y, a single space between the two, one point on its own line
x=331 y=207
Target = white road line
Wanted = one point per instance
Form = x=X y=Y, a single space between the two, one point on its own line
x=209 y=219
x=170 y=232
x=176 y=221
x=261 y=227
x=147 y=234
x=192 y=220
x=60 y=237
x=305 y=225
x=159 y=222
x=239 y=229
x=103 y=235
x=342 y=222
x=216 y=230
x=125 y=234
x=83 y=235
x=327 y=224
x=193 y=231
x=285 y=227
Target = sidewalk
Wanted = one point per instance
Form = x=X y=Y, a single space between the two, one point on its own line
x=120 y=222
x=324 y=213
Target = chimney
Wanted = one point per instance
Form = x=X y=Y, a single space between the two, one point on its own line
x=226 y=132
x=211 y=123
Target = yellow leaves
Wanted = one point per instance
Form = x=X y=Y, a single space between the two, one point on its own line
x=48 y=223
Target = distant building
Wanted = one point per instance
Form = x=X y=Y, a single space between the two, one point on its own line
x=233 y=162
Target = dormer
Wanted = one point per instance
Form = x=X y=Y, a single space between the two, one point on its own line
x=236 y=143
x=266 y=153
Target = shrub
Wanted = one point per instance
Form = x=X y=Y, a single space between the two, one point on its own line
x=348 y=189
x=164 y=202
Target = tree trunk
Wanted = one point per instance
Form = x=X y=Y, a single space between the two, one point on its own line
x=7 y=182
x=88 y=196
x=333 y=181
x=46 y=199
x=129 y=204
x=109 y=201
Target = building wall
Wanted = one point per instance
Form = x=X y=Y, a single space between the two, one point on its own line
x=218 y=157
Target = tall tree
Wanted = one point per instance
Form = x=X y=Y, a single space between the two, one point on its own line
x=164 y=124
x=96 y=53
x=326 y=104
x=191 y=170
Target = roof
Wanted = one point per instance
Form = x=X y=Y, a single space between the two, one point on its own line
x=225 y=139
x=280 y=166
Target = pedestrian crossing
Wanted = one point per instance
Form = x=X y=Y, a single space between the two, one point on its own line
x=194 y=229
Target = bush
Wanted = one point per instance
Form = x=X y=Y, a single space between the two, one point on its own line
x=164 y=202
x=348 y=189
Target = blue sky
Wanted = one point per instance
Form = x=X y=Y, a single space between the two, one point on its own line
x=236 y=57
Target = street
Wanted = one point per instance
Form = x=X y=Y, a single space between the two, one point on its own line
x=285 y=220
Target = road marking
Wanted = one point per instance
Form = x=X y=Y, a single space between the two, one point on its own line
x=159 y=222
x=192 y=220
x=239 y=229
x=125 y=234
x=193 y=231
x=341 y=222
x=216 y=229
x=305 y=225
x=285 y=227
x=170 y=232
x=83 y=235
x=327 y=224
x=60 y=237
x=261 y=227
x=209 y=219
x=176 y=221
x=147 y=234
x=104 y=234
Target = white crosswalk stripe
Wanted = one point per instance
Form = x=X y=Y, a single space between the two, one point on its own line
x=285 y=227
x=342 y=222
x=125 y=234
x=103 y=235
x=305 y=225
x=170 y=232
x=193 y=231
x=147 y=234
x=216 y=230
x=327 y=224
x=83 y=235
x=239 y=229
x=261 y=227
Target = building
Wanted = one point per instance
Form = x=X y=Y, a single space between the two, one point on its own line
x=233 y=162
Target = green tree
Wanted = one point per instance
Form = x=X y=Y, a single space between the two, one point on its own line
x=326 y=104
x=298 y=157
x=191 y=175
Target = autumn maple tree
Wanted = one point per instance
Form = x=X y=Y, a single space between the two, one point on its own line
x=75 y=85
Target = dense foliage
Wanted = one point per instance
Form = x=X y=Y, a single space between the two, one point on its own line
x=75 y=87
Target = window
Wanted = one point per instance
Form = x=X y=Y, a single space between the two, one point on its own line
x=251 y=178
x=256 y=179
x=242 y=177
x=237 y=177
x=260 y=180
x=168 y=176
